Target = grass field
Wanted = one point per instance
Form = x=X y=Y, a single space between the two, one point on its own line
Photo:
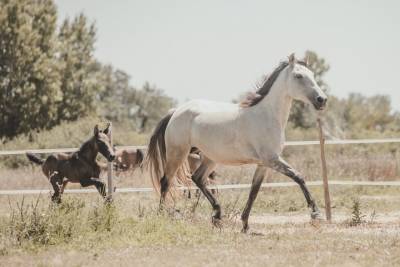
x=83 y=231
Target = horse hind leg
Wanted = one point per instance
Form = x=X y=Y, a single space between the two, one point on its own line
x=64 y=184
x=199 y=177
x=55 y=180
x=175 y=158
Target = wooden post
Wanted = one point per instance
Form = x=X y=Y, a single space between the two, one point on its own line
x=110 y=168
x=324 y=172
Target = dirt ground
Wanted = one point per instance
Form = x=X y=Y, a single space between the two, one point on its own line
x=283 y=244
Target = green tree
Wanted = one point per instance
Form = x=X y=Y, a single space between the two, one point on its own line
x=367 y=113
x=79 y=71
x=114 y=94
x=119 y=101
x=151 y=104
x=29 y=76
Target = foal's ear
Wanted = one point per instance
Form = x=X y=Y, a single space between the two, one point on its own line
x=292 y=59
x=96 y=130
x=107 y=129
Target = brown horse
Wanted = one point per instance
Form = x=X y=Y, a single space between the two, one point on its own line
x=126 y=159
x=78 y=167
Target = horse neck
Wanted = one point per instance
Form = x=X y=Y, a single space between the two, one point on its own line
x=276 y=105
x=89 y=150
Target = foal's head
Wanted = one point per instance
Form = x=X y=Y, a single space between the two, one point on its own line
x=102 y=141
x=302 y=85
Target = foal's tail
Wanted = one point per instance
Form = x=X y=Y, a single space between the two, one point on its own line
x=156 y=156
x=34 y=159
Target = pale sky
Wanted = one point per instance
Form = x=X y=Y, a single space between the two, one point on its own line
x=216 y=50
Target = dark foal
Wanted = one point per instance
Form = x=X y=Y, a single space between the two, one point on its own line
x=78 y=167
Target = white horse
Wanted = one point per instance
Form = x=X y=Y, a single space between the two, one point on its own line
x=252 y=132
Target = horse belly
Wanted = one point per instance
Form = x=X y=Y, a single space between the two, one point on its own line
x=222 y=144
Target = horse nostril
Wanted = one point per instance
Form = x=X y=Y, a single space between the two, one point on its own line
x=321 y=99
x=112 y=157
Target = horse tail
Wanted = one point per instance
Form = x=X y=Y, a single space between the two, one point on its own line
x=156 y=156
x=139 y=157
x=35 y=159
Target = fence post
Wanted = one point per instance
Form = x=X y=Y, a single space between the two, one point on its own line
x=324 y=172
x=110 y=167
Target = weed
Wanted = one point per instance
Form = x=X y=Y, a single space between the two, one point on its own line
x=357 y=217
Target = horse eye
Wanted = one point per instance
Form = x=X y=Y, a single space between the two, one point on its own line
x=298 y=76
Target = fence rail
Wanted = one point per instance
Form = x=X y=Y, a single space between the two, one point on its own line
x=219 y=187
x=289 y=143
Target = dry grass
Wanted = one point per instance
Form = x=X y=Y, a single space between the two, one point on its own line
x=82 y=231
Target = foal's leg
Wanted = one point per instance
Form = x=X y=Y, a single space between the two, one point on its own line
x=64 y=184
x=200 y=179
x=100 y=186
x=55 y=180
x=258 y=178
x=283 y=167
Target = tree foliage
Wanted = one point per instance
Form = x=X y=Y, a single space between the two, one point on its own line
x=29 y=76
x=49 y=75
x=79 y=72
x=346 y=117
x=142 y=108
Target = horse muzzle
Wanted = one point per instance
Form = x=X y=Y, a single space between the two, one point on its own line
x=111 y=157
x=319 y=102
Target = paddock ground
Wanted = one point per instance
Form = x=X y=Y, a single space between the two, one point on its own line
x=281 y=232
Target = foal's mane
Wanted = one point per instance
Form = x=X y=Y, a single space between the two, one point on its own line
x=85 y=146
x=254 y=98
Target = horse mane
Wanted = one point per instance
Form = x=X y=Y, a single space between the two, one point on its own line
x=253 y=98
x=84 y=147
x=85 y=144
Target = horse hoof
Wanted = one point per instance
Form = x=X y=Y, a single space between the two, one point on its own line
x=316 y=215
x=217 y=222
x=56 y=199
x=108 y=200
x=244 y=230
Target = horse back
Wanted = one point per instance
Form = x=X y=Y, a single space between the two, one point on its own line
x=75 y=169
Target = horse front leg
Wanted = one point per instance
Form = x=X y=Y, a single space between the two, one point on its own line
x=258 y=178
x=283 y=167
x=100 y=186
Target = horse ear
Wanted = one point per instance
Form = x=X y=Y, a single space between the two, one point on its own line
x=107 y=129
x=292 y=59
x=96 y=130
x=307 y=60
